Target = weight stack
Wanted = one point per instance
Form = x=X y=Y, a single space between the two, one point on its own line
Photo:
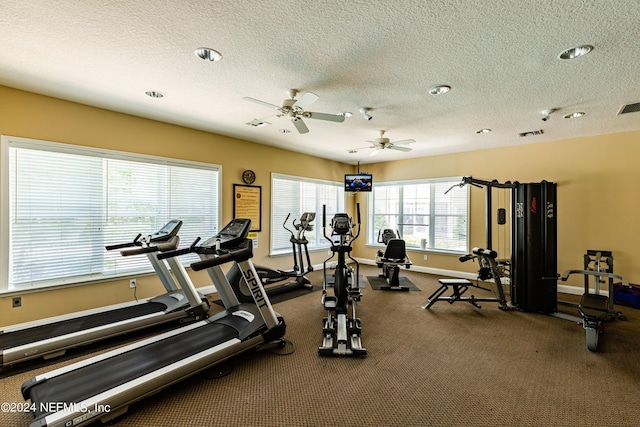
x=534 y=244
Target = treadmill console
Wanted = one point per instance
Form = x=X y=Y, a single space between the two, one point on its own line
x=166 y=232
x=231 y=235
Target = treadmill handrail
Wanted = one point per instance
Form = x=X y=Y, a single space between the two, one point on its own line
x=155 y=247
x=135 y=242
x=179 y=252
x=242 y=253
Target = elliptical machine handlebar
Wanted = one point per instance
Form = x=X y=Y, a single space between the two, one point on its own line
x=284 y=224
x=359 y=222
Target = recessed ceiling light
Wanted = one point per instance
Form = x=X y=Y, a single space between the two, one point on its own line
x=576 y=52
x=485 y=130
x=439 y=90
x=154 y=94
x=352 y=151
x=208 y=54
x=574 y=115
x=284 y=131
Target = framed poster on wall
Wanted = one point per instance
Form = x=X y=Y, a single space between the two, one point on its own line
x=247 y=203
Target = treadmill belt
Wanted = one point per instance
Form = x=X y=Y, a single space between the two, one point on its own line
x=80 y=384
x=50 y=330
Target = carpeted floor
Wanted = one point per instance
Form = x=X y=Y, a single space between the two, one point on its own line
x=378 y=282
x=452 y=365
x=331 y=279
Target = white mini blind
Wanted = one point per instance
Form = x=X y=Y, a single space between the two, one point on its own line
x=65 y=203
x=295 y=195
x=422 y=213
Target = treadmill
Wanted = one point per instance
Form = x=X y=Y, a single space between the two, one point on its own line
x=103 y=387
x=52 y=337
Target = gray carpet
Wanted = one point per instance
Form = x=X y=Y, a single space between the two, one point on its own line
x=452 y=365
x=331 y=279
x=377 y=283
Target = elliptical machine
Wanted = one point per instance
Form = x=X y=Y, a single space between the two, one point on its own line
x=270 y=277
x=341 y=329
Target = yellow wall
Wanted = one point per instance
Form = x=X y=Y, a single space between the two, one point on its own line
x=597 y=194
x=34 y=116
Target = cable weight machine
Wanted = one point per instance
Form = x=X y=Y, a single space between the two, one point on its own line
x=532 y=267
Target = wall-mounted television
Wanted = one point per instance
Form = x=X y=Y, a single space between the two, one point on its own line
x=358 y=182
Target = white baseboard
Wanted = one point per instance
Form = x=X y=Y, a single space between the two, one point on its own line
x=562 y=288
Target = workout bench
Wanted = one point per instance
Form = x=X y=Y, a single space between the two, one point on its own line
x=487 y=259
x=460 y=286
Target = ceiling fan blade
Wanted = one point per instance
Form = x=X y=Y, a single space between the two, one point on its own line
x=393 y=147
x=305 y=100
x=374 y=152
x=300 y=125
x=257 y=101
x=404 y=142
x=362 y=148
x=323 y=116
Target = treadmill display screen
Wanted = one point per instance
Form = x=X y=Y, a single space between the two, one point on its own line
x=232 y=234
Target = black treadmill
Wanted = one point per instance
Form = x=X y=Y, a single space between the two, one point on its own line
x=51 y=337
x=103 y=387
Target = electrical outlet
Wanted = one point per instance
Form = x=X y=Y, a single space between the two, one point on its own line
x=16 y=302
x=132 y=283
x=425 y=257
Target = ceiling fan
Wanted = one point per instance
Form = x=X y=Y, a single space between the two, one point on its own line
x=383 y=143
x=296 y=110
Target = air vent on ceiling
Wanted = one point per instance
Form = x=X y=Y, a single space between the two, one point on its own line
x=630 y=108
x=257 y=123
x=531 y=133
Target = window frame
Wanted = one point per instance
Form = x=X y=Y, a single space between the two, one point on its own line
x=7 y=142
x=321 y=243
x=372 y=232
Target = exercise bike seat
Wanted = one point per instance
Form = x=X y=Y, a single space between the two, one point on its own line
x=395 y=253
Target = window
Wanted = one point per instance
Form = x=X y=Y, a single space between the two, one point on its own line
x=64 y=203
x=422 y=213
x=295 y=195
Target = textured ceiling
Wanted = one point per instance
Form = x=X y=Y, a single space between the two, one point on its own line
x=499 y=56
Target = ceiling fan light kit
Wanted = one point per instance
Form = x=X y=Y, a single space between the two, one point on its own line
x=383 y=143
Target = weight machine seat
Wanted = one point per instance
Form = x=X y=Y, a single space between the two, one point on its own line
x=594 y=307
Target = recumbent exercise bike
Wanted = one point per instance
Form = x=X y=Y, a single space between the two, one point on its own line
x=393 y=257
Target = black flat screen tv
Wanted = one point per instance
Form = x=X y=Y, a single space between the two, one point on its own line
x=358 y=182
